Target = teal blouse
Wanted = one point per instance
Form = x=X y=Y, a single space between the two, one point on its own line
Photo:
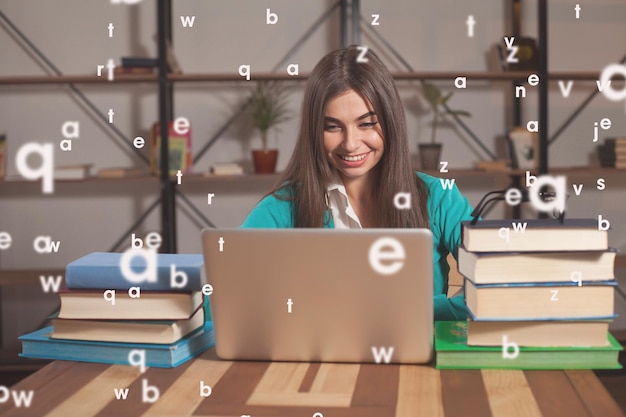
x=447 y=207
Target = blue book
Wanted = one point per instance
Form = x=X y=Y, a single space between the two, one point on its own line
x=40 y=345
x=101 y=270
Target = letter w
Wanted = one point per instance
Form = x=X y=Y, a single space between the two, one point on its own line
x=21 y=396
x=519 y=227
x=382 y=354
x=121 y=393
x=447 y=183
x=47 y=284
x=54 y=246
x=187 y=21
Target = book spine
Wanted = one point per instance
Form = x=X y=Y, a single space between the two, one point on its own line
x=110 y=277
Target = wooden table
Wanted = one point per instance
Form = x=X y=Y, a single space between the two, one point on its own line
x=258 y=389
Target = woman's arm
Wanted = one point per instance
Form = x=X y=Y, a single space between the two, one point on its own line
x=447 y=208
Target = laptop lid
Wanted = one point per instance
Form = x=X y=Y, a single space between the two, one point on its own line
x=338 y=295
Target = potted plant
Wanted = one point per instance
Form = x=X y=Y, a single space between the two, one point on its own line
x=430 y=153
x=268 y=108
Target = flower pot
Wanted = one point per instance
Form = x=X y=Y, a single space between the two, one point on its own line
x=430 y=153
x=265 y=160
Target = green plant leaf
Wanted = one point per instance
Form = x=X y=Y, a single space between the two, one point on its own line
x=431 y=93
x=445 y=99
x=460 y=113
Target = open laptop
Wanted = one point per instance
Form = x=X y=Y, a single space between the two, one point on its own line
x=327 y=295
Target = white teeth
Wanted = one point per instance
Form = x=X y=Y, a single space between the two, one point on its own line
x=353 y=158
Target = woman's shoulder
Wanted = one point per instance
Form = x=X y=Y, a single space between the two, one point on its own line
x=274 y=210
x=440 y=190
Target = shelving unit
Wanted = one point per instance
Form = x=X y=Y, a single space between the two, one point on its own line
x=350 y=32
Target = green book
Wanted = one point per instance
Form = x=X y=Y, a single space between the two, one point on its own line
x=454 y=353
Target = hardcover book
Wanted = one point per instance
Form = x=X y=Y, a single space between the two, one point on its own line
x=540 y=301
x=101 y=270
x=453 y=353
x=153 y=305
x=559 y=333
x=127 y=331
x=39 y=344
x=511 y=267
x=533 y=235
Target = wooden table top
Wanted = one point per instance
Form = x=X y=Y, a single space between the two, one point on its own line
x=258 y=389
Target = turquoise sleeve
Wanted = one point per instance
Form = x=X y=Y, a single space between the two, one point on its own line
x=271 y=212
x=447 y=209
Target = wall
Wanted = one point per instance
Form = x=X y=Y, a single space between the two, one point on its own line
x=430 y=36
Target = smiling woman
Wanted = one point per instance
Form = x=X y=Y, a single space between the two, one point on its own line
x=352 y=159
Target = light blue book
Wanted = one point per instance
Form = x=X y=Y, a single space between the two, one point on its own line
x=101 y=270
x=40 y=345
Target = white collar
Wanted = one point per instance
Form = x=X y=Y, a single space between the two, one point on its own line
x=339 y=205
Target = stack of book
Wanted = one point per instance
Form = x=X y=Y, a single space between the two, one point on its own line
x=226 y=168
x=136 y=66
x=612 y=153
x=104 y=316
x=539 y=294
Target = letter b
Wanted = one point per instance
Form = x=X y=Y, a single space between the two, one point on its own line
x=271 y=18
x=178 y=279
x=603 y=224
x=505 y=349
x=205 y=390
x=149 y=393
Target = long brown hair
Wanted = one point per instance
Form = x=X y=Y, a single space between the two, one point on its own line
x=309 y=172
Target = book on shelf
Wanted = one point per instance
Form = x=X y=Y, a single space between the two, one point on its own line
x=533 y=235
x=224 y=168
x=135 y=61
x=520 y=54
x=616 y=142
x=510 y=267
x=540 y=301
x=39 y=344
x=120 y=305
x=127 y=331
x=571 y=333
x=99 y=270
x=122 y=172
x=612 y=155
x=134 y=70
x=72 y=172
x=179 y=149
x=453 y=352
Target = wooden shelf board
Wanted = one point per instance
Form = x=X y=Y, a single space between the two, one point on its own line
x=219 y=77
x=75 y=79
x=199 y=177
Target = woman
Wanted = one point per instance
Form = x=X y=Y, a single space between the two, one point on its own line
x=352 y=159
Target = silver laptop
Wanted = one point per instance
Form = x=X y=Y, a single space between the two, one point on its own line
x=325 y=295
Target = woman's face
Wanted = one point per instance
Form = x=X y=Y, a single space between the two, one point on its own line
x=353 y=140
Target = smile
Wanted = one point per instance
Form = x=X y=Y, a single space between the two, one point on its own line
x=353 y=158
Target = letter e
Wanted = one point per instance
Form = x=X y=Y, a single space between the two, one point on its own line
x=376 y=255
x=181 y=125
x=139 y=142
